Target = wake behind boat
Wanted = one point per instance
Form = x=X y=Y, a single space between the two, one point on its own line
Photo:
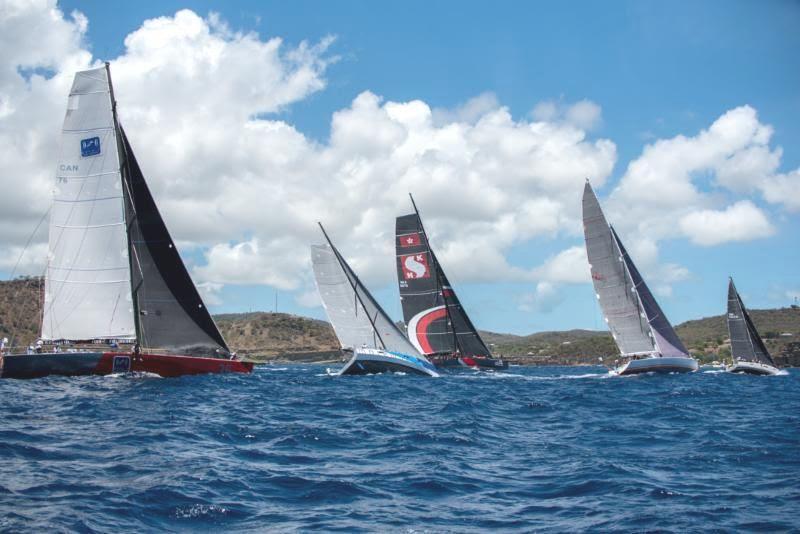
x=114 y=273
x=361 y=325
x=645 y=338
x=436 y=323
x=749 y=354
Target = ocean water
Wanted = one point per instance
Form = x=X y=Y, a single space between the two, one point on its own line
x=289 y=447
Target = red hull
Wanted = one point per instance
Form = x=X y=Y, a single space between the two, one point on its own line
x=170 y=365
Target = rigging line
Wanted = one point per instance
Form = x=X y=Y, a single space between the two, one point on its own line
x=15 y=296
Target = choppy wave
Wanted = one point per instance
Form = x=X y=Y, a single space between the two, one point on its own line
x=550 y=449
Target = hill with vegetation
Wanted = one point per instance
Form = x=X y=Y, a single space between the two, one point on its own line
x=266 y=336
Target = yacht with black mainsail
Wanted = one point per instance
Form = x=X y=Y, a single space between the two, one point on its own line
x=436 y=323
x=748 y=351
x=113 y=272
x=645 y=338
x=365 y=332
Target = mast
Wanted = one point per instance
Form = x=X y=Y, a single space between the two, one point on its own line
x=121 y=153
x=439 y=284
x=354 y=283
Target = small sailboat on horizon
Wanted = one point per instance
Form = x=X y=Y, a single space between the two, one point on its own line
x=436 y=323
x=113 y=272
x=645 y=338
x=362 y=327
x=748 y=352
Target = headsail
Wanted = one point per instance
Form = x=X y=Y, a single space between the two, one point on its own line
x=172 y=315
x=87 y=283
x=435 y=320
x=355 y=315
x=666 y=340
x=613 y=284
x=746 y=343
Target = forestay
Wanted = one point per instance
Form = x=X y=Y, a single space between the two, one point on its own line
x=358 y=320
x=87 y=282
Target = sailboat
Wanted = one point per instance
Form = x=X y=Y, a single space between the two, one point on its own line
x=645 y=338
x=436 y=323
x=113 y=273
x=364 y=330
x=748 y=351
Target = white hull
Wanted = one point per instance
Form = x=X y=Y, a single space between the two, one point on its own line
x=658 y=364
x=372 y=361
x=752 y=368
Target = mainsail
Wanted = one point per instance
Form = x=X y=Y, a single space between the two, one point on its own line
x=435 y=320
x=635 y=319
x=114 y=271
x=746 y=344
x=359 y=321
x=87 y=282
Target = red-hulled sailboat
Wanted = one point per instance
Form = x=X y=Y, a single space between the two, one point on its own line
x=114 y=275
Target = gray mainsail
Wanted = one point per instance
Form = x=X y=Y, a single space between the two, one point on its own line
x=357 y=318
x=746 y=343
x=613 y=284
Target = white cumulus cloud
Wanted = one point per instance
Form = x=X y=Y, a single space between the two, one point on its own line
x=742 y=221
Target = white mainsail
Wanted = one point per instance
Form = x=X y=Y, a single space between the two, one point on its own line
x=352 y=310
x=87 y=282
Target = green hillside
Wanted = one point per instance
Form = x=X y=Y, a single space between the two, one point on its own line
x=268 y=336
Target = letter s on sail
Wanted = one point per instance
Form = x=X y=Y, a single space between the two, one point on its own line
x=414 y=267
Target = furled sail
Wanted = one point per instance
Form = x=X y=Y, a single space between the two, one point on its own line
x=613 y=284
x=357 y=318
x=435 y=320
x=666 y=340
x=171 y=314
x=87 y=282
x=746 y=343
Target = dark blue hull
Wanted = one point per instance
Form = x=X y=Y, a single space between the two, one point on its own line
x=54 y=363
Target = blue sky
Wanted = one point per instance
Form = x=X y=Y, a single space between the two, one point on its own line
x=655 y=70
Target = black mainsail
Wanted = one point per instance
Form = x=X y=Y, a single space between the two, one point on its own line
x=436 y=323
x=746 y=343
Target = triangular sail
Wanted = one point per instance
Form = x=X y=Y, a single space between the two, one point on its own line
x=357 y=318
x=171 y=314
x=435 y=320
x=87 y=282
x=667 y=341
x=612 y=282
x=746 y=343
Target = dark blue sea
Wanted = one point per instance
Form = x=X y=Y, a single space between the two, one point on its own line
x=290 y=448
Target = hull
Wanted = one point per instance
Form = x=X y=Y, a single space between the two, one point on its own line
x=374 y=361
x=752 y=368
x=474 y=362
x=104 y=363
x=658 y=364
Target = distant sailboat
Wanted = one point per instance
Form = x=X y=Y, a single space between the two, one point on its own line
x=436 y=323
x=646 y=340
x=114 y=273
x=362 y=327
x=748 y=351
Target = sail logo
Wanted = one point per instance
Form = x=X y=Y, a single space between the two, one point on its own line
x=410 y=240
x=415 y=266
x=90 y=147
